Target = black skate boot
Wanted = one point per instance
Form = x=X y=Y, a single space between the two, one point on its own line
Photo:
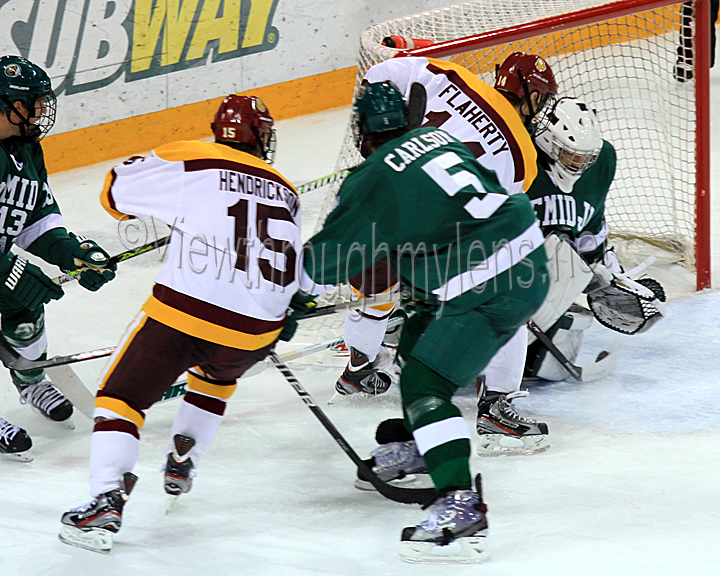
x=179 y=466
x=44 y=398
x=455 y=532
x=503 y=430
x=92 y=525
x=361 y=375
x=15 y=443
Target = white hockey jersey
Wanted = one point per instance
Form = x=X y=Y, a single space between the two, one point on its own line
x=232 y=261
x=471 y=111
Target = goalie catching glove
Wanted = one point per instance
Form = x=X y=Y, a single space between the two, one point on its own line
x=624 y=305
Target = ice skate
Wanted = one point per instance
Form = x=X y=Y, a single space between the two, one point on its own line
x=45 y=399
x=178 y=469
x=504 y=431
x=397 y=463
x=455 y=531
x=93 y=525
x=15 y=443
x=362 y=376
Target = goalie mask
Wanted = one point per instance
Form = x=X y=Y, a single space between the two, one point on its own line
x=522 y=74
x=24 y=82
x=246 y=120
x=571 y=142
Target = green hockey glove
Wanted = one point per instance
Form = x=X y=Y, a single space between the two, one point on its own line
x=26 y=283
x=93 y=262
x=300 y=305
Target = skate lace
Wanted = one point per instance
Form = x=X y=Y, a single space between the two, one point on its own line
x=85 y=507
x=508 y=409
x=43 y=395
x=455 y=510
x=398 y=456
x=7 y=431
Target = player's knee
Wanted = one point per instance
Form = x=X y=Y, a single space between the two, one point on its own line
x=24 y=328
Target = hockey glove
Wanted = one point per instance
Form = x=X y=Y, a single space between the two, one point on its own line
x=26 y=283
x=94 y=264
x=300 y=305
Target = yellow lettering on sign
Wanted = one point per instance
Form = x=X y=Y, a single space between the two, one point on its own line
x=225 y=28
x=147 y=26
x=179 y=19
x=257 y=22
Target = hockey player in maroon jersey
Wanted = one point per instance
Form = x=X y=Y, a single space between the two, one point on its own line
x=477 y=114
x=217 y=308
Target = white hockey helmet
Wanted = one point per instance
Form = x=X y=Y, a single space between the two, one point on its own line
x=572 y=141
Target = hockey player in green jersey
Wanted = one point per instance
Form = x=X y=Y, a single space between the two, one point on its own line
x=30 y=219
x=471 y=256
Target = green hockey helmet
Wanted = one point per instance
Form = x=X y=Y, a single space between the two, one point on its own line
x=380 y=107
x=23 y=81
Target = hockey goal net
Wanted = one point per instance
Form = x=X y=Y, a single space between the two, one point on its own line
x=621 y=57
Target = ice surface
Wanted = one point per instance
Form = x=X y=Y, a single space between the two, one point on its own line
x=629 y=486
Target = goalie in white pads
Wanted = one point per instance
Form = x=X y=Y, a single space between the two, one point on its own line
x=576 y=170
x=568 y=195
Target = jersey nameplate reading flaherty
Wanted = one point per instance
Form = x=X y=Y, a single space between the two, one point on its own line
x=473 y=111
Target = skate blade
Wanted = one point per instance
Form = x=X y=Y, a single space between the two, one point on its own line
x=502 y=445
x=95 y=539
x=170 y=504
x=334 y=398
x=468 y=550
x=69 y=424
x=410 y=481
x=26 y=456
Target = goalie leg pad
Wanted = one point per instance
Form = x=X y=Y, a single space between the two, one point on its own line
x=569 y=275
x=567 y=335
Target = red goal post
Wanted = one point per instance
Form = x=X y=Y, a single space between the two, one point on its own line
x=621 y=57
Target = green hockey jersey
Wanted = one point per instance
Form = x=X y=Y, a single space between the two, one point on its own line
x=580 y=215
x=27 y=207
x=449 y=230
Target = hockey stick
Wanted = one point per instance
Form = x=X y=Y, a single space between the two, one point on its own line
x=12 y=359
x=320 y=182
x=63 y=377
x=604 y=363
x=154 y=245
x=353 y=305
x=403 y=495
x=178 y=389
x=65 y=380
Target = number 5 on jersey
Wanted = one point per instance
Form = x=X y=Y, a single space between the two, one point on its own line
x=479 y=208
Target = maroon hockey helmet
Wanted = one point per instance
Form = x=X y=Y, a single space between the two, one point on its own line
x=522 y=74
x=245 y=120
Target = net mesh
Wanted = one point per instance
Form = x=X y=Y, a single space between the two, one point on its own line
x=624 y=67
